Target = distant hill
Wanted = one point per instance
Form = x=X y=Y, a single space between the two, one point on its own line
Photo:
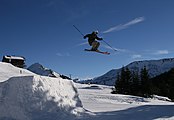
x=154 y=67
x=41 y=70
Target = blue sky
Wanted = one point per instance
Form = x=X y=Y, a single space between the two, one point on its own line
x=42 y=31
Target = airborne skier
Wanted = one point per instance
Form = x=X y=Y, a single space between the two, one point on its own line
x=92 y=40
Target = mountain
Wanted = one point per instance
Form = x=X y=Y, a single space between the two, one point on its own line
x=41 y=70
x=27 y=96
x=154 y=67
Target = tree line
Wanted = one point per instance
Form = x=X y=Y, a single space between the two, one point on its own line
x=140 y=84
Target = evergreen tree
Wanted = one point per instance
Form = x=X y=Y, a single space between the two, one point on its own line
x=145 y=82
x=164 y=84
x=135 y=86
x=171 y=84
x=119 y=86
x=123 y=81
x=131 y=83
x=128 y=81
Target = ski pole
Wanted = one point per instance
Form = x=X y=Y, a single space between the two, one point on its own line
x=78 y=30
x=109 y=45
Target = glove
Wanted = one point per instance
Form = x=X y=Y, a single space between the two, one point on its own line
x=84 y=37
x=101 y=38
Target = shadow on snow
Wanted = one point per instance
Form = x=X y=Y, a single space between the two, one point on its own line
x=146 y=112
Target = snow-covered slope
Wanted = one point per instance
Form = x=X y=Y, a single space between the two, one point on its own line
x=106 y=106
x=41 y=70
x=27 y=96
x=8 y=70
x=154 y=67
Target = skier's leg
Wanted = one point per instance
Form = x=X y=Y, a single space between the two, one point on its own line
x=95 y=45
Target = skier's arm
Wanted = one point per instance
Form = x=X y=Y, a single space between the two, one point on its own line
x=86 y=36
x=99 y=38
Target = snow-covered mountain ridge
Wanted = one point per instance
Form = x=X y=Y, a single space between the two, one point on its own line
x=39 y=69
x=154 y=67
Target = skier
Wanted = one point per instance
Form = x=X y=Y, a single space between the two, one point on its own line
x=92 y=40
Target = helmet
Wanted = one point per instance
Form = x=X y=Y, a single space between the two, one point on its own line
x=95 y=32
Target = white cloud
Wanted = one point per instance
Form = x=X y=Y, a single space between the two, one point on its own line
x=136 y=56
x=63 y=55
x=124 y=26
x=162 y=52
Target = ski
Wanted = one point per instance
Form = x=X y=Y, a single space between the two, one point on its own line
x=106 y=53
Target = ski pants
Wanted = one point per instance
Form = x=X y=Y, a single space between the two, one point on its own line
x=95 y=45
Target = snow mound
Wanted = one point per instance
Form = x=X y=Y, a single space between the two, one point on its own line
x=7 y=71
x=38 y=98
x=27 y=96
x=161 y=98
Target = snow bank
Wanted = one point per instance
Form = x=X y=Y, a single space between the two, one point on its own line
x=33 y=97
x=8 y=70
x=38 y=98
x=157 y=97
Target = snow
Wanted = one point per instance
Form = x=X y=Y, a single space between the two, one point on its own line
x=8 y=70
x=161 y=98
x=106 y=106
x=14 y=57
x=27 y=96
